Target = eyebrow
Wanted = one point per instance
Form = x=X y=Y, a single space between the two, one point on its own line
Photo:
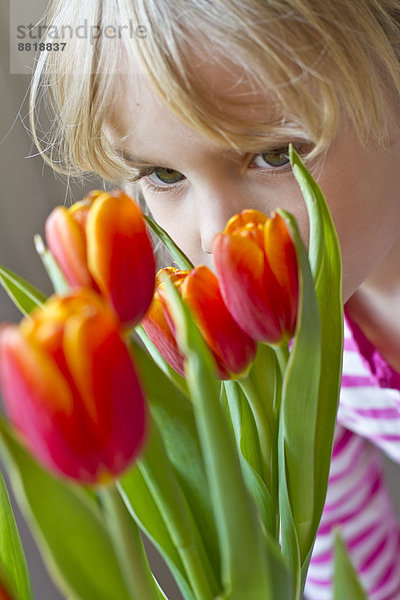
x=141 y=163
x=134 y=160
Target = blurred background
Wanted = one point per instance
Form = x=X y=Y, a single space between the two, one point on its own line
x=28 y=192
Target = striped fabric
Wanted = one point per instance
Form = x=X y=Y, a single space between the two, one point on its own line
x=357 y=500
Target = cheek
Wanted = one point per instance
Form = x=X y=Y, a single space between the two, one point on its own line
x=366 y=218
x=360 y=182
x=176 y=217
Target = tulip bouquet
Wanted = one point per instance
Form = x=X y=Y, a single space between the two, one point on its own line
x=195 y=408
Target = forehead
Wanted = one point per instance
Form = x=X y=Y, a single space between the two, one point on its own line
x=228 y=91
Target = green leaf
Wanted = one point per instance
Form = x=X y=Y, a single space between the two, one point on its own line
x=54 y=272
x=177 y=254
x=128 y=544
x=157 y=471
x=25 y=296
x=300 y=401
x=248 y=446
x=290 y=542
x=69 y=528
x=325 y=261
x=245 y=574
x=345 y=583
x=12 y=556
x=144 y=510
x=174 y=415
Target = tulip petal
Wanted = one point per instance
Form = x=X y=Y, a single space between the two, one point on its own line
x=231 y=346
x=248 y=217
x=281 y=256
x=157 y=328
x=120 y=255
x=111 y=395
x=66 y=241
x=38 y=402
x=245 y=279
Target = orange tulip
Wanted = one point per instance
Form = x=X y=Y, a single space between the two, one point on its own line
x=256 y=264
x=102 y=243
x=70 y=388
x=232 y=348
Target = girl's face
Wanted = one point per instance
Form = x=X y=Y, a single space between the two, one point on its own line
x=197 y=185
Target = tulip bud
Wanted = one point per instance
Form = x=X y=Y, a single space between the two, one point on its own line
x=102 y=243
x=71 y=390
x=232 y=348
x=256 y=265
x=157 y=328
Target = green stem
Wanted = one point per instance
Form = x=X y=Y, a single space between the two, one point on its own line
x=267 y=428
x=282 y=355
x=159 y=475
x=268 y=446
x=262 y=423
x=129 y=548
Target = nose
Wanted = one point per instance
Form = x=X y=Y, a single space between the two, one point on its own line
x=214 y=208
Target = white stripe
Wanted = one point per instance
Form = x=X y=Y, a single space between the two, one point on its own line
x=370 y=428
x=315 y=592
x=353 y=364
x=346 y=330
x=365 y=397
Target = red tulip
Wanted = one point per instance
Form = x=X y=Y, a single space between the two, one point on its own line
x=70 y=388
x=256 y=265
x=102 y=243
x=159 y=332
x=232 y=348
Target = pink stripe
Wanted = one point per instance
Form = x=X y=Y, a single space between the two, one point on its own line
x=352 y=462
x=326 y=527
x=352 y=543
x=320 y=582
x=341 y=442
x=385 y=577
x=349 y=344
x=378 y=413
x=373 y=555
x=322 y=559
x=349 y=381
x=386 y=437
x=372 y=473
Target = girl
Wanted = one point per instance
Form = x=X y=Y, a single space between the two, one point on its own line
x=197 y=112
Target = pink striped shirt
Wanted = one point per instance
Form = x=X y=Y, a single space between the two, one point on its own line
x=357 y=500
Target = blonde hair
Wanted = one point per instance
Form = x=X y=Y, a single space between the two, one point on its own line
x=316 y=60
